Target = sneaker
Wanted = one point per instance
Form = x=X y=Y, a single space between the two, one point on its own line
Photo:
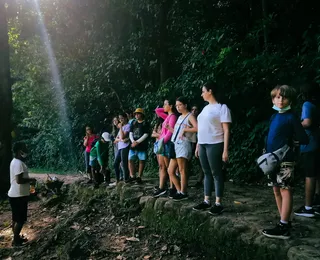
x=172 y=193
x=303 y=212
x=180 y=197
x=18 y=243
x=131 y=179
x=156 y=188
x=159 y=193
x=281 y=231
x=138 y=180
x=202 y=206
x=216 y=209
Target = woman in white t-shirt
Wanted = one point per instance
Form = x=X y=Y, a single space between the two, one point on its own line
x=212 y=148
x=184 y=134
x=19 y=191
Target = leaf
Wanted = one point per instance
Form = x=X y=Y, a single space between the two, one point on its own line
x=133 y=239
x=147 y=257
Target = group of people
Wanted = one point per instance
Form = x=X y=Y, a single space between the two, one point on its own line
x=130 y=142
x=179 y=134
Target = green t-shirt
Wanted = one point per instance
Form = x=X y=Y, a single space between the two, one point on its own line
x=100 y=152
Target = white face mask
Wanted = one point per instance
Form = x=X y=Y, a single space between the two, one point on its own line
x=23 y=155
x=281 y=110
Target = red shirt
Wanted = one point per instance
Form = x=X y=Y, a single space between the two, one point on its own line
x=89 y=143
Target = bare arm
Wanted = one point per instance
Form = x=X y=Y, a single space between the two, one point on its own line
x=21 y=180
x=306 y=123
x=226 y=138
x=194 y=123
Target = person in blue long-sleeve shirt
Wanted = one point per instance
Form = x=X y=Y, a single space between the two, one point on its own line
x=285 y=129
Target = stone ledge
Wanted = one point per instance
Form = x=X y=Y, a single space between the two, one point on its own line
x=236 y=234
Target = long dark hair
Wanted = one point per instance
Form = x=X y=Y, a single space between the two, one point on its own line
x=184 y=101
x=172 y=102
x=216 y=91
x=159 y=121
x=114 y=127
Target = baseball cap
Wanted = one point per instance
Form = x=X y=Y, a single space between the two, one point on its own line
x=106 y=136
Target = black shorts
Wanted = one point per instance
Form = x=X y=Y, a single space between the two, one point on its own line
x=310 y=164
x=19 y=207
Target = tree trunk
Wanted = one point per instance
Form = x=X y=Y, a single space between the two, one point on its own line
x=5 y=104
x=163 y=44
x=265 y=28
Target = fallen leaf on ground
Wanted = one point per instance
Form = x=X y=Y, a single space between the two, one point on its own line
x=133 y=239
x=164 y=248
x=141 y=227
x=147 y=257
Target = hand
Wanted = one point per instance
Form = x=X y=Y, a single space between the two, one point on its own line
x=119 y=125
x=196 y=153
x=225 y=156
x=134 y=144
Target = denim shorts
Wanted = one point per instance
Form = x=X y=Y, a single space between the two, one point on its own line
x=141 y=155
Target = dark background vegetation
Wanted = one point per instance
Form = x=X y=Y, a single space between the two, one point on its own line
x=121 y=54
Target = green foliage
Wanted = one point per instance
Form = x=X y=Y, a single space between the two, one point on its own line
x=116 y=55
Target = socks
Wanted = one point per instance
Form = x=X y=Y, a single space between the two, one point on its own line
x=284 y=222
x=207 y=201
x=218 y=204
x=307 y=207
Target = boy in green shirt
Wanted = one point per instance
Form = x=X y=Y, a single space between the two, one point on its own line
x=99 y=156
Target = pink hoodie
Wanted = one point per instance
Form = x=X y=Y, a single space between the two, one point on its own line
x=168 y=120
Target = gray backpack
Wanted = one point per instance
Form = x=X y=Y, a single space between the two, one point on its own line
x=268 y=162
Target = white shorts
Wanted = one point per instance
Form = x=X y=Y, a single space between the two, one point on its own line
x=183 y=149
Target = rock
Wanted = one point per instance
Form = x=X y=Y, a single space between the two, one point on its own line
x=159 y=204
x=303 y=252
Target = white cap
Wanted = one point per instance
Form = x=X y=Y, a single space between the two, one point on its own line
x=106 y=136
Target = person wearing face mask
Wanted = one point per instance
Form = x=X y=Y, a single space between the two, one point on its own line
x=19 y=191
x=284 y=129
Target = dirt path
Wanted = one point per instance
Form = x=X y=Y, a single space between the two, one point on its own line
x=67 y=179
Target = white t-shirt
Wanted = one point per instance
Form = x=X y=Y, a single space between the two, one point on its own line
x=210 y=130
x=18 y=190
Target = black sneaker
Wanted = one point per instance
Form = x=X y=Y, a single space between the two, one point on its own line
x=18 y=243
x=180 y=197
x=303 y=212
x=281 y=231
x=159 y=193
x=130 y=180
x=202 y=206
x=216 y=210
x=138 y=180
x=172 y=193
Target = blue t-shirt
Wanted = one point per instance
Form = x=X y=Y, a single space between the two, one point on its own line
x=310 y=111
x=284 y=129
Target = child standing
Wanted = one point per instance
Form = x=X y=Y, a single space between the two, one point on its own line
x=310 y=152
x=284 y=129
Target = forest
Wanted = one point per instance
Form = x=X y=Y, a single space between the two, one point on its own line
x=79 y=62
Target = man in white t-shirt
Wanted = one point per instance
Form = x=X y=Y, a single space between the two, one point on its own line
x=19 y=191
